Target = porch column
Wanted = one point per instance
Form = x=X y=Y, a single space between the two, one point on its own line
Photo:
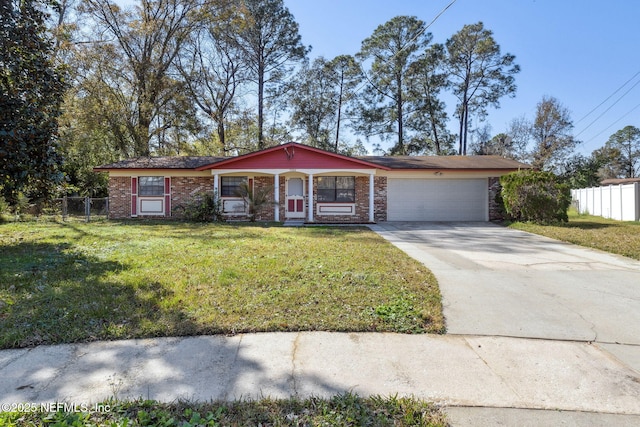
x=276 y=197
x=371 y=198
x=215 y=185
x=310 y=196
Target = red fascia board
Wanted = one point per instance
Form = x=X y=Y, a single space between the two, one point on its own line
x=294 y=145
x=141 y=169
x=457 y=169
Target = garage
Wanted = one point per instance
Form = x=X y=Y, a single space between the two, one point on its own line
x=415 y=199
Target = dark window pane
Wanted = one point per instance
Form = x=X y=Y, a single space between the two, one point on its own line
x=151 y=186
x=348 y=182
x=336 y=189
x=325 y=182
x=326 y=195
x=230 y=185
x=345 y=196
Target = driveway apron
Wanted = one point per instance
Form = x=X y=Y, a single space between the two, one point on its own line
x=503 y=282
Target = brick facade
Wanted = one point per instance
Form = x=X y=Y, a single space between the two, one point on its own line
x=361 y=204
x=119 y=197
x=380 y=199
x=191 y=175
x=266 y=212
x=185 y=188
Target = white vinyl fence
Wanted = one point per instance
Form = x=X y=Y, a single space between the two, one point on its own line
x=621 y=202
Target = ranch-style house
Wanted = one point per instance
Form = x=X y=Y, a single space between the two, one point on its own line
x=314 y=185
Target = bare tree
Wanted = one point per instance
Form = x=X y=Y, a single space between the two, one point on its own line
x=551 y=133
x=145 y=42
x=213 y=73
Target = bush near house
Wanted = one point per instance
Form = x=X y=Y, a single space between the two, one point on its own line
x=535 y=196
x=203 y=207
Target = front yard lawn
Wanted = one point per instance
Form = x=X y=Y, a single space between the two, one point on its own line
x=69 y=282
x=608 y=235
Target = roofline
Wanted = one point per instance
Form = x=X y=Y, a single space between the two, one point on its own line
x=457 y=169
x=292 y=144
x=99 y=169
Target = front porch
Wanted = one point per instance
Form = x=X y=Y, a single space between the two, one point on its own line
x=305 y=183
x=318 y=196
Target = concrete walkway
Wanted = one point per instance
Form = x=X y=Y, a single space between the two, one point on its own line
x=451 y=370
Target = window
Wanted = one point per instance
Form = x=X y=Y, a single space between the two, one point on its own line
x=151 y=186
x=230 y=185
x=341 y=189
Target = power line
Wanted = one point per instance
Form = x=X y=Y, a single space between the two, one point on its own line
x=611 y=125
x=610 y=107
x=609 y=97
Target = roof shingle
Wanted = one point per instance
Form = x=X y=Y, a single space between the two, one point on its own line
x=391 y=162
x=169 y=162
x=446 y=162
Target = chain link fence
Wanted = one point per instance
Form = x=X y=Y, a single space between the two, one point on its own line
x=82 y=207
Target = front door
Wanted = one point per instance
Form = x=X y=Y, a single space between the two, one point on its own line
x=295 y=198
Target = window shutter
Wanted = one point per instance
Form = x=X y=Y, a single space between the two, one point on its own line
x=134 y=196
x=167 y=196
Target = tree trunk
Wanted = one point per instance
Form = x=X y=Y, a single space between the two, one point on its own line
x=466 y=129
x=260 y=107
x=461 y=130
x=403 y=151
x=221 y=137
x=339 y=110
x=141 y=142
x=432 y=120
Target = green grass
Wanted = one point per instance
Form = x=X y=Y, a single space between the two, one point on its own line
x=73 y=282
x=342 y=410
x=608 y=235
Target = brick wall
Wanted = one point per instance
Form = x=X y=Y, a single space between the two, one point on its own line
x=261 y=183
x=361 y=204
x=185 y=188
x=119 y=197
x=380 y=199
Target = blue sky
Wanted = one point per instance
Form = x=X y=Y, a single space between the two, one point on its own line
x=578 y=51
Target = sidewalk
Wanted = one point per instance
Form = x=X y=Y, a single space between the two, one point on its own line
x=458 y=371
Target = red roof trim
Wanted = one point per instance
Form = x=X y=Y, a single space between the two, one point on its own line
x=101 y=169
x=296 y=145
x=435 y=169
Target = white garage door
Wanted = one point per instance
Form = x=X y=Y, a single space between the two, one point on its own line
x=437 y=200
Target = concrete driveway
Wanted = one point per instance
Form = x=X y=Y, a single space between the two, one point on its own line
x=502 y=282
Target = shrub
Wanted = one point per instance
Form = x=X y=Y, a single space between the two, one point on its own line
x=535 y=196
x=203 y=207
x=255 y=200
